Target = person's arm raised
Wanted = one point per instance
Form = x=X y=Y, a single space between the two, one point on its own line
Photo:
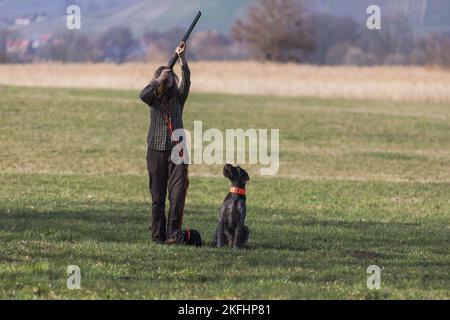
x=185 y=72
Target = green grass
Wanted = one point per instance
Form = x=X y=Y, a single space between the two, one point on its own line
x=360 y=183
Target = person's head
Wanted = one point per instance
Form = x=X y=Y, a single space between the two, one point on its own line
x=169 y=85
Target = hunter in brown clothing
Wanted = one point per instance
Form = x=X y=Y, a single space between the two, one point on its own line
x=166 y=101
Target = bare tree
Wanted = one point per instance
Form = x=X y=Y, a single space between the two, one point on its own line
x=331 y=33
x=116 y=43
x=213 y=45
x=274 y=30
x=435 y=49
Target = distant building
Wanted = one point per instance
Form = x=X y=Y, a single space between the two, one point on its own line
x=27 y=20
x=18 y=46
x=40 y=17
x=22 y=21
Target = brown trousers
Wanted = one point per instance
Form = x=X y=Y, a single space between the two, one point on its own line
x=165 y=176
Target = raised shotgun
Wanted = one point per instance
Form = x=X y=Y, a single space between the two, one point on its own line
x=174 y=58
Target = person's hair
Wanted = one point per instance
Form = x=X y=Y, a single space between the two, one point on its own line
x=169 y=91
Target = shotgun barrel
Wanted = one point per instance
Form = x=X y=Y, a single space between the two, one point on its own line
x=174 y=58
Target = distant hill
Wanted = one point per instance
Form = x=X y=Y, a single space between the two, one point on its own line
x=141 y=15
x=424 y=14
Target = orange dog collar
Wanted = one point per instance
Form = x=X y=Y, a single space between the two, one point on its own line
x=236 y=190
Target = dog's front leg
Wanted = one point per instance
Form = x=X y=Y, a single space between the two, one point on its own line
x=220 y=235
x=234 y=242
x=241 y=237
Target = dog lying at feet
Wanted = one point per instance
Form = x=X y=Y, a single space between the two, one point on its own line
x=187 y=236
x=231 y=230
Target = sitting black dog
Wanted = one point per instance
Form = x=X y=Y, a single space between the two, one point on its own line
x=187 y=236
x=231 y=230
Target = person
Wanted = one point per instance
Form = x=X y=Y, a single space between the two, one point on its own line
x=166 y=99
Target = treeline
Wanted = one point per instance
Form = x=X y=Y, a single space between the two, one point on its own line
x=279 y=30
x=117 y=45
x=272 y=30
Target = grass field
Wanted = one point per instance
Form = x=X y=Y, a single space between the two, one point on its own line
x=361 y=182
